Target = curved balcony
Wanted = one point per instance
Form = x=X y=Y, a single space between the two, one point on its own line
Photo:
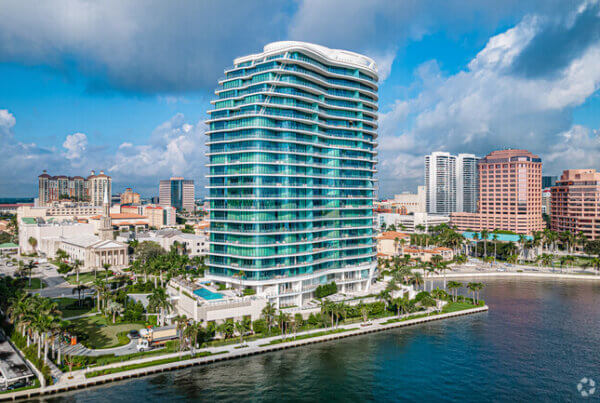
x=280 y=267
x=278 y=71
x=275 y=83
x=306 y=253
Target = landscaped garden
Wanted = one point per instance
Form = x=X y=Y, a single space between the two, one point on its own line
x=97 y=332
x=71 y=307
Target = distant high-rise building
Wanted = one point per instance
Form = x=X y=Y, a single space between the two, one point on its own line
x=451 y=182
x=549 y=181
x=510 y=194
x=56 y=188
x=440 y=182
x=99 y=185
x=467 y=183
x=575 y=203
x=130 y=197
x=177 y=192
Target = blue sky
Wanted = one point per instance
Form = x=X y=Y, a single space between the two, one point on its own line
x=124 y=86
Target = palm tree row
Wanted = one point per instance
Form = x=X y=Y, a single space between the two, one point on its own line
x=37 y=319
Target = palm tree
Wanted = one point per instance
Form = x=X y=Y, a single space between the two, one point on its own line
x=226 y=329
x=340 y=312
x=159 y=300
x=475 y=288
x=79 y=289
x=106 y=267
x=484 y=236
x=29 y=266
x=283 y=319
x=327 y=309
x=453 y=286
x=546 y=259
x=114 y=308
x=191 y=333
x=495 y=241
x=384 y=296
x=76 y=265
x=181 y=322
x=101 y=288
x=268 y=313
x=242 y=327
x=416 y=279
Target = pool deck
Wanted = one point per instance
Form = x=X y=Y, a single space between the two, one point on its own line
x=260 y=346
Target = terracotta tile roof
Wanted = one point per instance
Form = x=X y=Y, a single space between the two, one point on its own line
x=393 y=235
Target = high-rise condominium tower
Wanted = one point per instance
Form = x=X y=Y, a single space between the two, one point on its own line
x=467 y=183
x=177 y=192
x=451 y=182
x=292 y=157
x=440 y=182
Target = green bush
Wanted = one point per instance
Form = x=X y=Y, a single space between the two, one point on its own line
x=249 y=291
x=325 y=290
x=421 y=295
x=313 y=320
x=260 y=326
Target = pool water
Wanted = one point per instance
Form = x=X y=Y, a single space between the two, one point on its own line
x=500 y=237
x=207 y=294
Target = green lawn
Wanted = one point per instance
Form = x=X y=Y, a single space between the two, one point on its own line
x=99 y=333
x=457 y=306
x=35 y=284
x=149 y=364
x=307 y=336
x=69 y=307
x=84 y=278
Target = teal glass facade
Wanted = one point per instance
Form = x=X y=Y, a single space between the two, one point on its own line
x=292 y=157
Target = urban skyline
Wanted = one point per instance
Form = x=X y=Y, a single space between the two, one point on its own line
x=222 y=180
x=157 y=130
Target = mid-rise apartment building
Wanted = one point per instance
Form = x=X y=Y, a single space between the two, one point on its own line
x=510 y=194
x=74 y=188
x=575 y=203
x=177 y=192
x=130 y=197
x=291 y=164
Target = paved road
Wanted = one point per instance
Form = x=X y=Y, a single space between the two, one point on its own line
x=79 y=349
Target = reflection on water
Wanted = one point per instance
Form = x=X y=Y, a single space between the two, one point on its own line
x=538 y=339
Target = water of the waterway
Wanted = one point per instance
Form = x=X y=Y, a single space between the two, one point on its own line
x=539 y=339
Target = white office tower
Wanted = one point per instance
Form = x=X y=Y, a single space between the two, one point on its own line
x=440 y=182
x=467 y=183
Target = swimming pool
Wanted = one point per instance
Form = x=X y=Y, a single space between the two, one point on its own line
x=207 y=294
x=501 y=237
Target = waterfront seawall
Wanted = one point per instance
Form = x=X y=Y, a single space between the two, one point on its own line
x=237 y=353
